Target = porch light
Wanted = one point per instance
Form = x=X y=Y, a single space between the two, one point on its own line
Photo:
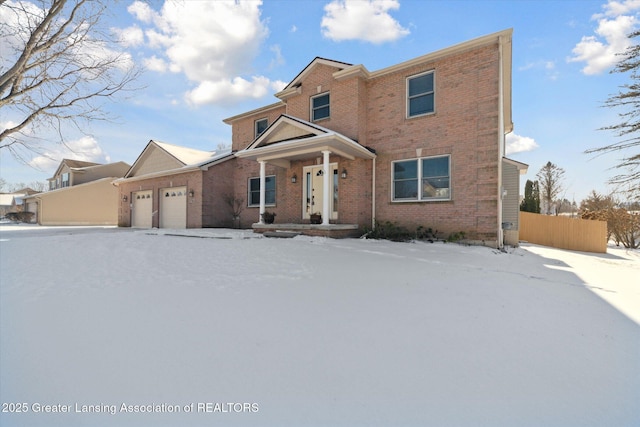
x=294 y=178
x=124 y=198
x=344 y=174
x=191 y=193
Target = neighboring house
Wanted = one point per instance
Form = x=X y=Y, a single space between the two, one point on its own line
x=174 y=187
x=81 y=193
x=14 y=202
x=420 y=143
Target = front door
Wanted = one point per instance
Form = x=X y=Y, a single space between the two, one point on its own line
x=313 y=193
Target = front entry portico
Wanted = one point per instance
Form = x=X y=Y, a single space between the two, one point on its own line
x=292 y=144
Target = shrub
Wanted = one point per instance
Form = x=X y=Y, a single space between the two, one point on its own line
x=20 y=216
x=426 y=234
x=456 y=237
x=389 y=231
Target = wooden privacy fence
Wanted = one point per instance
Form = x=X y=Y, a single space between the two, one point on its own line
x=564 y=233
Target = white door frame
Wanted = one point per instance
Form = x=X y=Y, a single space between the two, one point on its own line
x=315 y=174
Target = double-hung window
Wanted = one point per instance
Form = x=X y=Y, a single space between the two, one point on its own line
x=65 y=179
x=420 y=95
x=260 y=126
x=423 y=179
x=270 y=191
x=320 y=107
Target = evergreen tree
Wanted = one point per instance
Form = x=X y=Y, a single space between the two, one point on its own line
x=531 y=201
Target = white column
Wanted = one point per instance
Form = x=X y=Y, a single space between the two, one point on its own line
x=263 y=184
x=325 y=192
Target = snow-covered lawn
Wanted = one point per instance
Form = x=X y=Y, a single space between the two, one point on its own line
x=236 y=329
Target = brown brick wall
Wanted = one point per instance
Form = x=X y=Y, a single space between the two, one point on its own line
x=465 y=126
x=373 y=112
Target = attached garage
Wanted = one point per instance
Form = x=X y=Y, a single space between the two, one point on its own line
x=142 y=207
x=173 y=207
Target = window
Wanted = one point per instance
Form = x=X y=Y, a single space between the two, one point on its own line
x=320 y=107
x=421 y=179
x=420 y=95
x=65 y=179
x=261 y=126
x=270 y=191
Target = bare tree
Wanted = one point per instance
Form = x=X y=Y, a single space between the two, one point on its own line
x=550 y=181
x=627 y=99
x=58 y=66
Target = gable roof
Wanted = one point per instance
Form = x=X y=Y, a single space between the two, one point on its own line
x=290 y=138
x=72 y=164
x=294 y=85
x=186 y=160
x=182 y=156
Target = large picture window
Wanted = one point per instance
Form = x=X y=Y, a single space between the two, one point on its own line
x=421 y=179
x=420 y=95
x=320 y=107
x=270 y=191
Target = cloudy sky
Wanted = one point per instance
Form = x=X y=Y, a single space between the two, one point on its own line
x=208 y=60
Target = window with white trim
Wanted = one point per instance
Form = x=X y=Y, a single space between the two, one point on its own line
x=65 y=179
x=320 y=107
x=270 y=191
x=260 y=126
x=420 y=95
x=423 y=179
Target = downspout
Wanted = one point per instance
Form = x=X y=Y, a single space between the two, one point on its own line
x=373 y=194
x=500 y=242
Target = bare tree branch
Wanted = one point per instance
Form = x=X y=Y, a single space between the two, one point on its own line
x=61 y=68
x=627 y=99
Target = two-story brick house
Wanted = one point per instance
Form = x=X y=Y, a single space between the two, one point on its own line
x=420 y=143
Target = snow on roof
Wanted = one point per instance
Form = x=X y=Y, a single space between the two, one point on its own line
x=188 y=156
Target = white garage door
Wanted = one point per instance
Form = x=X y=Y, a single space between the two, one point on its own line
x=142 y=207
x=173 y=207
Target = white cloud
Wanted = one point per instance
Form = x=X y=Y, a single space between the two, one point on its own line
x=213 y=43
x=85 y=148
x=131 y=36
x=616 y=8
x=519 y=144
x=156 y=64
x=361 y=20
x=142 y=11
x=601 y=52
x=232 y=90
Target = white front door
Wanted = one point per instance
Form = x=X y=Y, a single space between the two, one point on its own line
x=173 y=207
x=313 y=190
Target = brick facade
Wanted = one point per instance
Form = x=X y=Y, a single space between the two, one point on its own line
x=372 y=111
x=471 y=115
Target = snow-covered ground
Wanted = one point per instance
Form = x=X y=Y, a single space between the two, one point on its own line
x=225 y=327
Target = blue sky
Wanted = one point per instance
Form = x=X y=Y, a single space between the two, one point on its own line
x=205 y=61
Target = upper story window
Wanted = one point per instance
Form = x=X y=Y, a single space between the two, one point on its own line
x=422 y=179
x=65 y=179
x=260 y=126
x=269 y=190
x=320 y=107
x=420 y=95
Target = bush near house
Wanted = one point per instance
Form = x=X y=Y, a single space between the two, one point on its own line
x=20 y=216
